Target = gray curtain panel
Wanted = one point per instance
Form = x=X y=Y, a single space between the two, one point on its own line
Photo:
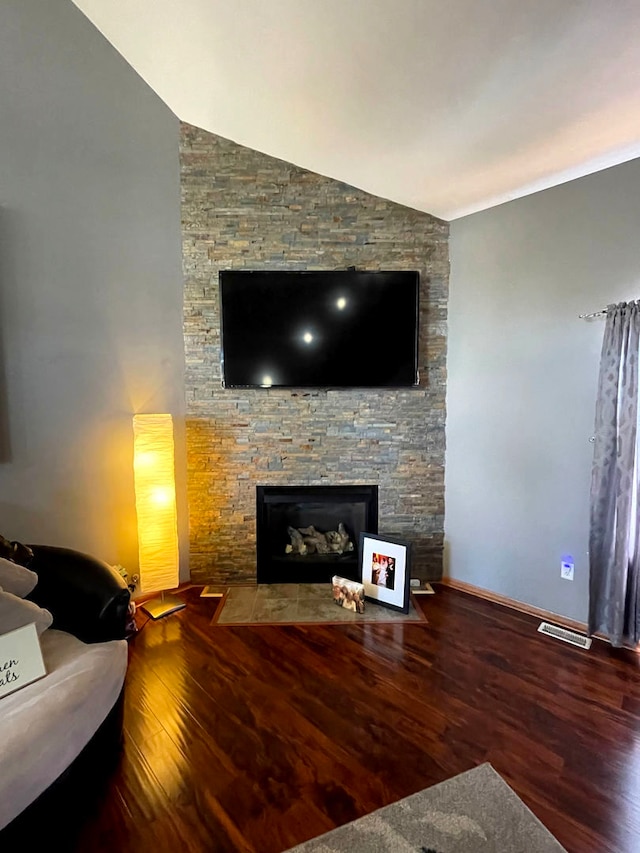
x=613 y=538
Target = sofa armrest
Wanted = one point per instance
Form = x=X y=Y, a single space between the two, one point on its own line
x=86 y=596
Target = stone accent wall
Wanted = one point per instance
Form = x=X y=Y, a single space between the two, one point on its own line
x=245 y=210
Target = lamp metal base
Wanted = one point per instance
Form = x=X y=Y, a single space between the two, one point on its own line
x=163 y=606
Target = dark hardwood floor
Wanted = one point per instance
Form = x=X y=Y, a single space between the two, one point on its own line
x=257 y=738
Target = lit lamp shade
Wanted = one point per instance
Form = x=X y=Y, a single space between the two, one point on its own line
x=155 y=487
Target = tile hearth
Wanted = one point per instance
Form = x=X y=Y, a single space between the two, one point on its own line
x=305 y=602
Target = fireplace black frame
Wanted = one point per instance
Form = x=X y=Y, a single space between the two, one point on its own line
x=274 y=566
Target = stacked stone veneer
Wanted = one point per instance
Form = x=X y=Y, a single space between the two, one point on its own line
x=245 y=210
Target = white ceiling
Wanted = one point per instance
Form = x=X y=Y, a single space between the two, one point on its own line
x=448 y=106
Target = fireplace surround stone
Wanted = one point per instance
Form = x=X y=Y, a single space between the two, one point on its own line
x=244 y=210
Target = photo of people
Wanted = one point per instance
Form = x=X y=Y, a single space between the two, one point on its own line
x=348 y=594
x=383 y=571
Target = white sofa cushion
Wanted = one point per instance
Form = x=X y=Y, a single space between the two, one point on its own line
x=45 y=725
x=16 y=612
x=16 y=579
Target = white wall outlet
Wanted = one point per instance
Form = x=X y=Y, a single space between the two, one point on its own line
x=566 y=567
x=414 y=582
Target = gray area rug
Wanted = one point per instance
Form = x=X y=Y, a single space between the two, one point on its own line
x=292 y=603
x=475 y=812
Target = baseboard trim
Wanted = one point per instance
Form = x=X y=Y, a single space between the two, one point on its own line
x=514 y=604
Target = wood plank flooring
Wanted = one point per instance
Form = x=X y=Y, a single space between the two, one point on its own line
x=257 y=738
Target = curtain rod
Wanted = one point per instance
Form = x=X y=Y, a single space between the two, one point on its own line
x=602 y=313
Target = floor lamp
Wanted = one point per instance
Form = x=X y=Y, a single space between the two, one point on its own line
x=154 y=474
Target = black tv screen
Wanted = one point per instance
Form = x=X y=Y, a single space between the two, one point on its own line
x=342 y=329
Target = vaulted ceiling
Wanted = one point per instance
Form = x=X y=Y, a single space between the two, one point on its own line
x=448 y=106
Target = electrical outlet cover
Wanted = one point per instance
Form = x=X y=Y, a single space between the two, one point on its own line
x=566 y=567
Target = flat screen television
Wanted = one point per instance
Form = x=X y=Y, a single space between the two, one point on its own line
x=299 y=329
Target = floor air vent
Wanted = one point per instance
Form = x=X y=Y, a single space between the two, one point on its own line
x=567 y=636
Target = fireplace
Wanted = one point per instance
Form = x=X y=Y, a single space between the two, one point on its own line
x=325 y=508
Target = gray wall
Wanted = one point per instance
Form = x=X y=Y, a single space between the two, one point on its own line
x=90 y=280
x=522 y=381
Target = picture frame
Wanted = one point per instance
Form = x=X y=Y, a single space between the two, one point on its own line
x=348 y=594
x=385 y=564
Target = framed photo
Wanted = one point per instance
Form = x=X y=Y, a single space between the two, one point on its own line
x=385 y=568
x=347 y=594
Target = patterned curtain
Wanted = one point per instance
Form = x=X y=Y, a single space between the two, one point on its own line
x=613 y=539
